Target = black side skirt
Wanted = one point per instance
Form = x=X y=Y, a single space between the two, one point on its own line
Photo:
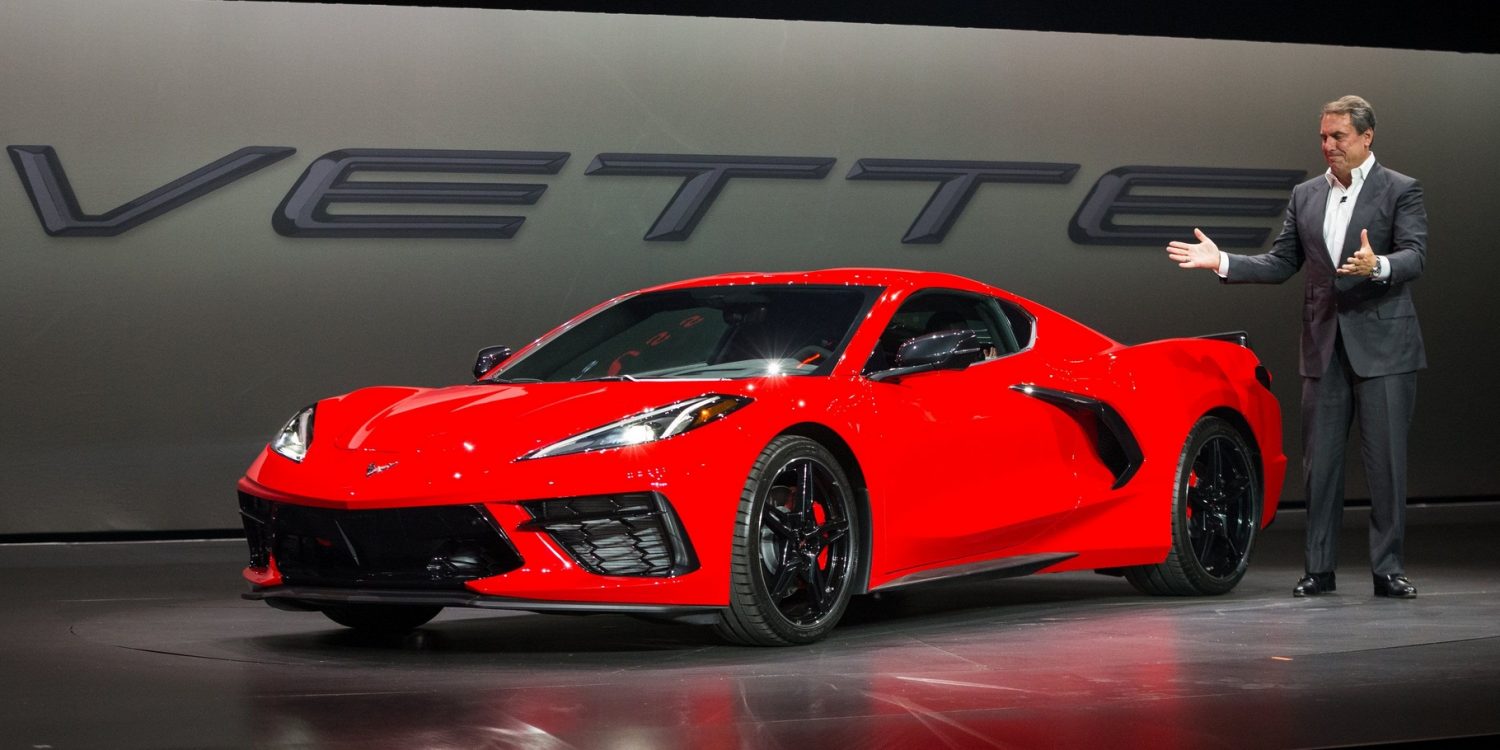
x=1005 y=567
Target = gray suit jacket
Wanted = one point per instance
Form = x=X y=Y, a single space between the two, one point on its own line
x=1377 y=319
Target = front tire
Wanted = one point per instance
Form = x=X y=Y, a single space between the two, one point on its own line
x=796 y=547
x=384 y=619
x=1216 y=507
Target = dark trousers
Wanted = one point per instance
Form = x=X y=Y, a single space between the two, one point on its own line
x=1384 y=405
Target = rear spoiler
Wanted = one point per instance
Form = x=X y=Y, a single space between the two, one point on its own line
x=1241 y=338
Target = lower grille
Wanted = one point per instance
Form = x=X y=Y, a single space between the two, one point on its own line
x=427 y=548
x=617 y=535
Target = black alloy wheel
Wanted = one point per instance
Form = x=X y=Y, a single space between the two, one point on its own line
x=795 y=550
x=388 y=619
x=1216 y=507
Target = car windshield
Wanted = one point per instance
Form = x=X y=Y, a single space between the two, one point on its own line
x=703 y=332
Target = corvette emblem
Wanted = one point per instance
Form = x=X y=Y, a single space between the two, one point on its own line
x=374 y=469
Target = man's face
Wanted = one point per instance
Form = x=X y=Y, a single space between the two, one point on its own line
x=1343 y=148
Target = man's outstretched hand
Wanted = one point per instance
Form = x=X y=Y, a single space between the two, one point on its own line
x=1201 y=254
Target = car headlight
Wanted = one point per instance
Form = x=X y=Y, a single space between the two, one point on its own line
x=295 y=436
x=649 y=426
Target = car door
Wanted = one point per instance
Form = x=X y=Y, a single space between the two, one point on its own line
x=969 y=467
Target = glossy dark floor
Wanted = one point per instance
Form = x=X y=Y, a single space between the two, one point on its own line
x=150 y=646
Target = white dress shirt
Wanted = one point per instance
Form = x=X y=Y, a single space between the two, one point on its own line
x=1341 y=202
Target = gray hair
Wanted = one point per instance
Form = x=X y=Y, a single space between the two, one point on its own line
x=1361 y=114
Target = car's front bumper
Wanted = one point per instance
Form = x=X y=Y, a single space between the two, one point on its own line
x=673 y=554
x=304 y=598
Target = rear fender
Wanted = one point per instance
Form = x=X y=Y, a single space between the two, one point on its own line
x=1173 y=383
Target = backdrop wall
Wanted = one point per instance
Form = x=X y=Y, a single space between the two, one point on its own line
x=141 y=372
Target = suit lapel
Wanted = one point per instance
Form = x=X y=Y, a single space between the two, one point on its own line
x=1316 y=210
x=1365 y=209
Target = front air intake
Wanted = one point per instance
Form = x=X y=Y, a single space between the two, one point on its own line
x=439 y=547
x=634 y=534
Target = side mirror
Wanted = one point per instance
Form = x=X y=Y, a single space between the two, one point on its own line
x=488 y=358
x=944 y=350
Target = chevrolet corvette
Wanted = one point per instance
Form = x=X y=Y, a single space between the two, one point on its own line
x=751 y=450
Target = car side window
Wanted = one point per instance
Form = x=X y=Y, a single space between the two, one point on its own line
x=935 y=311
x=1022 y=325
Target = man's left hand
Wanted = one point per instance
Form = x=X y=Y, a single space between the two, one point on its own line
x=1363 y=262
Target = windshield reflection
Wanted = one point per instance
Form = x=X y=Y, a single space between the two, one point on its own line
x=702 y=333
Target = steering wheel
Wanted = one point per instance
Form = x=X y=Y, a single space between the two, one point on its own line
x=810 y=354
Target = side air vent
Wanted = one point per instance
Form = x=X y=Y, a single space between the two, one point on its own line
x=1114 y=442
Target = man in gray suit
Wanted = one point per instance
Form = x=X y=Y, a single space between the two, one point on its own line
x=1359 y=234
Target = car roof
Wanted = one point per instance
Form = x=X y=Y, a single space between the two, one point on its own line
x=884 y=277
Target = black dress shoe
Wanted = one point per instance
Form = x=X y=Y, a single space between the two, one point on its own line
x=1313 y=584
x=1395 y=586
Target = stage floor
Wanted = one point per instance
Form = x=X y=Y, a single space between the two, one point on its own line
x=148 y=645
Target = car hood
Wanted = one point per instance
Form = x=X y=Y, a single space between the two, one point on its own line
x=492 y=420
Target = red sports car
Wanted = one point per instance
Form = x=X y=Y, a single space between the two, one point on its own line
x=750 y=450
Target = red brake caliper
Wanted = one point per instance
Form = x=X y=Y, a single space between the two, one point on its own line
x=821 y=517
x=1192 y=483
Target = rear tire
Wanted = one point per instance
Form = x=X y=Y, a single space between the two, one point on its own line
x=796 y=547
x=385 y=619
x=1216 y=507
